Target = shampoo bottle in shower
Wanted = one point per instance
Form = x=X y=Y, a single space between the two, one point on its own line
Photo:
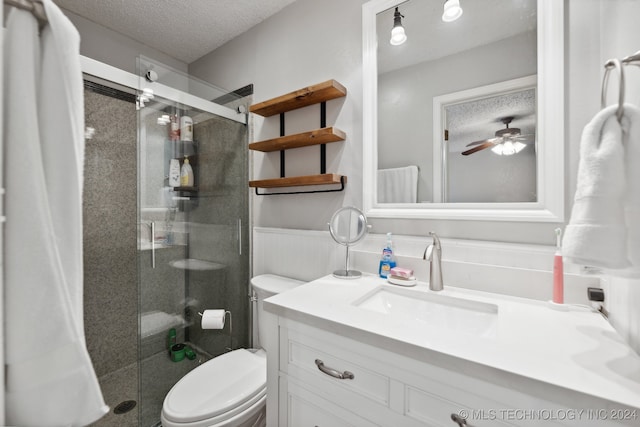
x=186 y=174
x=174 y=127
x=186 y=128
x=174 y=173
x=558 y=271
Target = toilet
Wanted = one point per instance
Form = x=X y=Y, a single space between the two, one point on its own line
x=228 y=390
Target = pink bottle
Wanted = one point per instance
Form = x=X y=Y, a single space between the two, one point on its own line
x=558 y=273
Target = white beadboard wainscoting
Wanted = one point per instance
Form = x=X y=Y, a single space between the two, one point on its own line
x=520 y=270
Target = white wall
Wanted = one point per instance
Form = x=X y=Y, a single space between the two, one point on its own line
x=308 y=42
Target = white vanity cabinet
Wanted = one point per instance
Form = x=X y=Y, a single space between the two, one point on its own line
x=391 y=390
x=335 y=359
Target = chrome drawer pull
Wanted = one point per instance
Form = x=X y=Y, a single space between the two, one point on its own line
x=346 y=375
x=459 y=420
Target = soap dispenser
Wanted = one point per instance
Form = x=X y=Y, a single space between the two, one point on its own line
x=186 y=174
x=388 y=260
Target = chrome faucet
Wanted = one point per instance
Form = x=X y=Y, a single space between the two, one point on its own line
x=433 y=253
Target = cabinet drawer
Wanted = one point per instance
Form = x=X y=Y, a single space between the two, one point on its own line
x=436 y=410
x=302 y=408
x=303 y=354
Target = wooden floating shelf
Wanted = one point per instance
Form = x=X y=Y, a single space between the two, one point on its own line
x=298 y=181
x=310 y=95
x=305 y=139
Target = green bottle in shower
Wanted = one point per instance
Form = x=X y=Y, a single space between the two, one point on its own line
x=171 y=339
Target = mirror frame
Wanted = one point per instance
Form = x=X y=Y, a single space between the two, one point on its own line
x=550 y=127
x=359 y=237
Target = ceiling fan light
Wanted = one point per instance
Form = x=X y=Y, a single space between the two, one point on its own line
x=452 y=10
x=498 y=149
x=508 y=148
x=518 y=146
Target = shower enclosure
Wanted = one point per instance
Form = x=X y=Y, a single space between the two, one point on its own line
x=193 y=244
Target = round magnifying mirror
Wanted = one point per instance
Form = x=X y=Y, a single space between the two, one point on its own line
x=348 y=226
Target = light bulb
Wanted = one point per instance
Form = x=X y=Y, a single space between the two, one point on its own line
x=398 y=36
x=452 y=10
x=508 y=148
x=518 y=146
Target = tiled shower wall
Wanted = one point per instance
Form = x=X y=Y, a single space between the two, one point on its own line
x=110 y=271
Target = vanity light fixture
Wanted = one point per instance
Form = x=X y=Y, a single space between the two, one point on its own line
x=452 y=10
x=397 y=33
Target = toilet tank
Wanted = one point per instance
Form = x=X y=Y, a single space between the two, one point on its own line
x=266 y=285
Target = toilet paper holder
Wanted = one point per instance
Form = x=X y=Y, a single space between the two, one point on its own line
x=230 y=348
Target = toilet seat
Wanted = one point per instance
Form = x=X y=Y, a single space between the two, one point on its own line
x=218 y=390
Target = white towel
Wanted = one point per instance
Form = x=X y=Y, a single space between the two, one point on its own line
x=50 y=379
x=398 y=185
x=599 y=233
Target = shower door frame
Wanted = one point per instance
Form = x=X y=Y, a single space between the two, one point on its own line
x=124 y=78
x=129 y=82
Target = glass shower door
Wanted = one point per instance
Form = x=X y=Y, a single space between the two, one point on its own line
x=193 y=246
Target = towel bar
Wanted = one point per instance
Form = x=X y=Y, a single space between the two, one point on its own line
x=618 y=64
x=610 y=64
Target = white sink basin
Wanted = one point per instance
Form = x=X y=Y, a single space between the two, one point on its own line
x=433 y=311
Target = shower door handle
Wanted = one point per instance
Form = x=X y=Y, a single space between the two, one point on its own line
x=152 y=226
x=239 y=236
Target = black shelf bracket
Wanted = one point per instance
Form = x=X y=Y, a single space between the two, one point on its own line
x=335 y=190
x=281 y=151
x=323 y=147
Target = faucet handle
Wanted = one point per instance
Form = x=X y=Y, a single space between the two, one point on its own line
x=436 y=239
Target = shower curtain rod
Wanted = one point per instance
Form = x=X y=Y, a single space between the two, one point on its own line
x=33 y=6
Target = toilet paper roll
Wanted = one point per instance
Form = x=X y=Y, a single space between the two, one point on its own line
x=213 y=319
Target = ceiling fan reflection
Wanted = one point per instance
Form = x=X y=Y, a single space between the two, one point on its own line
x=506 y=142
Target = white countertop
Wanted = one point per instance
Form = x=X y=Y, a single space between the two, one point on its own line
x=575 y=349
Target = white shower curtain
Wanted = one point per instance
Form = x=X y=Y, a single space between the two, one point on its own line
x=50 y=380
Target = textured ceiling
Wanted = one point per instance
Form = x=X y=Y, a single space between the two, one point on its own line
x=183 y=29
x=479 y=119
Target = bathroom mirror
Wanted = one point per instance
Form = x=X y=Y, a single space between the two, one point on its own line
x=412 y=90
x=348 y=226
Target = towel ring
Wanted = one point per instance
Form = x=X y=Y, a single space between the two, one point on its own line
x=613 y=63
